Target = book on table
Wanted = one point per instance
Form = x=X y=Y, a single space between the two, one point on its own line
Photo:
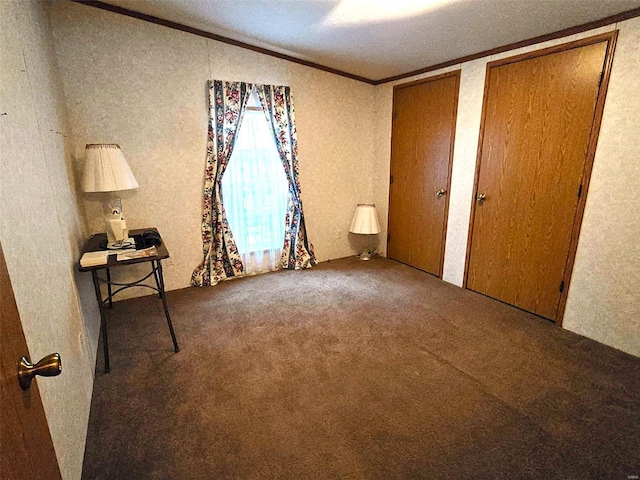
x=93 y=259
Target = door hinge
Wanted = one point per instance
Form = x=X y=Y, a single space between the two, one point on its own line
x=394 y=114
x=562 y=286
x=388 y=237
x=390 y=179
x=580 y=191
x=601 y=77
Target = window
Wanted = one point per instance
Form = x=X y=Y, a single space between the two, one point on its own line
x=255 y=191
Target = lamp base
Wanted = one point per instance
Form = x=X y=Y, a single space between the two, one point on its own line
x=364 y=256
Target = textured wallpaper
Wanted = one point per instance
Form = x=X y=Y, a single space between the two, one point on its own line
x=603 y=301
x=143 y=86
x=604 y=296
x=42 y=228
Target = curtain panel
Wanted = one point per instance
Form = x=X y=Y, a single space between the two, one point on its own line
x=297 y=252
x=227 y=104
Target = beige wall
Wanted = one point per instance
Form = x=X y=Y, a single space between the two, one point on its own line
x=41 y=227
x=143 y=86
x=604 y=298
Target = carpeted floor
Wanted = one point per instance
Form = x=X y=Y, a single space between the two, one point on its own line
x=355 y=370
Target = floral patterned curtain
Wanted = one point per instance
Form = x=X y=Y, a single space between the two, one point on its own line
x=227 y=103
x=277 y=105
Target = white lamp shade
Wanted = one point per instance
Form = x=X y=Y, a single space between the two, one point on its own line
x=106 y=169
x=365 y=220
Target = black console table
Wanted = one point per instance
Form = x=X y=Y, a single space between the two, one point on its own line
x=98 y=242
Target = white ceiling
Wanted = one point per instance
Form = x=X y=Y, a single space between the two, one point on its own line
x=377 y=39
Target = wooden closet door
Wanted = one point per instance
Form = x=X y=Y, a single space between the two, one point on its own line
x=421 y=152
x=538 y=118
x=26 y=448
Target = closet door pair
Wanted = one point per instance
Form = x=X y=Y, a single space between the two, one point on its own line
x=540 y=122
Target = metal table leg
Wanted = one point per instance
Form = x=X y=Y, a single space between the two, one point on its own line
x=103 y=321
x=155 y=275
x=109 y=288
x=160 y=281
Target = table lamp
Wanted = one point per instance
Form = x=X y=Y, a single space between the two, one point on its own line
x=365 y=222
x=106 y=170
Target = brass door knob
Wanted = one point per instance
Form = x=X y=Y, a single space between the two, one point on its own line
x=49 y=366
x=441 y=192
x=480 y=198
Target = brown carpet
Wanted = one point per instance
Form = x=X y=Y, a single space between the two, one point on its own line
x=357 y=370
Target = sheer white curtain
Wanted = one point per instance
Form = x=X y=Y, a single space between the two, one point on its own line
x=255 y=192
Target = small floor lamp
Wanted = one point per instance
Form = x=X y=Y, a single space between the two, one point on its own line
x=106 y=170
x=365 y=222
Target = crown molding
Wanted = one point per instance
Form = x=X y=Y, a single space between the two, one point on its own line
x=219 y=38
x=467 y=58
x=619 y=17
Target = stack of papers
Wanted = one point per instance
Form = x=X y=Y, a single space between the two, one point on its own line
x=93 y=259
x=130 y=255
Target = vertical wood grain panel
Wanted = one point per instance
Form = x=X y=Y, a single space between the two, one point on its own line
x=538 y=117
x=26 y=449
x=421 y=152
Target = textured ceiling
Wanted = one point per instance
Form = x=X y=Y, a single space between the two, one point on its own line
x=379 y=38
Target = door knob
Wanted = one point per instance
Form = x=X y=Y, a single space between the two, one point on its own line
x=49 y=366
x=480 y=198
x=441 y=192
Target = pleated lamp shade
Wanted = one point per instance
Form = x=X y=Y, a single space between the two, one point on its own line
x=106 y=169
x=365 y=220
